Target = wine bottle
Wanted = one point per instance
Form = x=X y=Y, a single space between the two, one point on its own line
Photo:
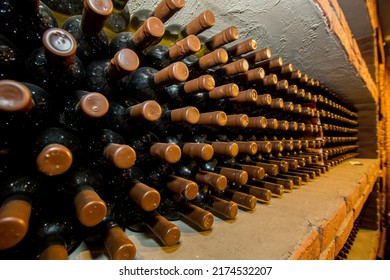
x=12 y=60
x=167 y=232
x=119 y=19
x=218 y=206
x=55 y=66
x=224 y=148
x=277 y=190
x=256 y=56
x=175 y=32
x=141 y=39
x=243 y=200
x=236 y=176
x=229 y=69
x=87 y=29
x=199 y=66
x=62 y=10
x=241 y=48
x=24 y=23
x=262 y=194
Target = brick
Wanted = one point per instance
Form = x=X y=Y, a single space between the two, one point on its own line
x=352 y=198
x=343 y=232
x=329 y=252
x=329 y=228
x=357 y=208
x=309 y=249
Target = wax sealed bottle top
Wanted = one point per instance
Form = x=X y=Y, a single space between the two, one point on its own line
x=95 y=14
x=61 y=44
x=14 y=96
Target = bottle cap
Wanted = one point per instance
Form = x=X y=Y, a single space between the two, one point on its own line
x=286 y=68
x=260 y=193
x=124 y=62
x=54 y=159
x=275 y=62
x=235 y=67
x=283 y=166
x=200 y=217
x=242 y=47
x=304 y=79
x=258 y=55
x=167 y=232
x=148 y=110
x=174 y=73
x=277 y=103
x=95 y=15
x=198 y=151
x=254 y=172
x=228 y=208
x=264 y=146
x=297 y=108
x=282 y=85
x=301 y=93
x=270 y=80
x=264 y=100
x=90 y=208
x=201 y=23
x=146 y=197
x=272 y=124
x=202 y=83
x=229 y=149
x=185 y=47
x=237 y=176
x=246 y=200
x=60 y=45
x=269 y=168
x=241 y=120
x=216 y=57
x=227 y=35
x=247 y=147
x=292 y=163
x=121 y=155
x=185 y=188
x=301 y=127
x=94 y=105
x=218 y=118
x=189 y=114
x=167 y=8
x=253 y=75
x=292 y=89
x=277 y=146
x=118 y=245
x=292 y=126
x=166 y=151
x=249 y=95
x=151 y=30
x=54 y=252
x=15 y=96
x=257 y=122
x=297 y=144
x=224 y=91
x=216 y=181
x=14 y=222
x=296 y=75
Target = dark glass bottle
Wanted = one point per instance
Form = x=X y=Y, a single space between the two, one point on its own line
x=55 y=66
x=141 y=39
x=256 y=57
x=229 y=69
x=83 y=110
x=54 y=150
x=87 y=29
x=218 y=206
x=12 y=61
x=119 y=20
x=160 y=56
x=236 y=50
x=24 y=23
x=65 y=9
x=235 y=176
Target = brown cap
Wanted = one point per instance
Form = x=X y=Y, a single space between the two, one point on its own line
x=247 y=147
x=283 y=125
x=237 y=176
x=60 y=45
x=270 y=80
x=249 y=95
x=275 y=62
x=118 y=245
x=286 y=68
x=292 y=163
x=218 y=118
x=54 y=252
x=14 y=222
x=202 y=83
x=260 y=193
x=148 y=110
x=214 y=180
x=277 y=103
x=167 y=8
x=95 y=14
x=264 y=100
x=166 y=151
x=229 y=149
x=90 y=208
x=219 y=56
x=246 y=200
x=228 y=90
x=292 y=89
x=282 y=85
x=301 y=127
x=188 y=114
x=201 y=23
x=227 y=35
x=186 y=188
x=269 y=168
x=297 y=108
x=304 y=78
x=227 y=208
x=198 y=151
x=254 y=172
x=288 y=145
x=272 y=123
x=257 y=122
x=15 y=96
x=174 y=73
x=94 y=105
x=124 y=62
x=241 y=120
x=235 y=67
x=242 y=47
x=54 y=159
x=167 y=232
x=121 y=155
x=185 y=47
x=150 y=31
x=301 y=93
x=258 y=55
x=277 y=146
x=296 y=74
x=253 y=75
x=200 y=217
x=297 y=144
x=146 y=197
x=292 y=126
x=264 y=146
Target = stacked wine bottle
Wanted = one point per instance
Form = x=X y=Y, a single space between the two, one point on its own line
x=116 y=120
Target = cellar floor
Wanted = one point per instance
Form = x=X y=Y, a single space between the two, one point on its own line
x=307 y=223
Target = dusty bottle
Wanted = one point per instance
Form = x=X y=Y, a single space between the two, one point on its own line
x=256 y=56
x=199 y=66
x=241 y=48
x=63 y=10
x=119 y=20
